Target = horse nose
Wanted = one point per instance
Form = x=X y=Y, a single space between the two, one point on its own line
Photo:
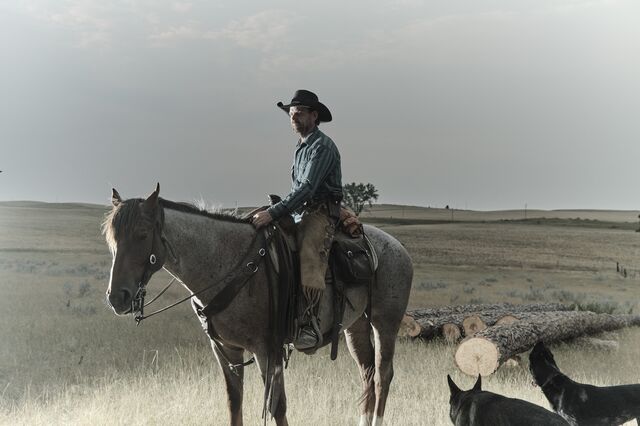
x=119 y=299
x=126 y=296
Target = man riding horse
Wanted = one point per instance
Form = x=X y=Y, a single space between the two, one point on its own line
x=314 y=201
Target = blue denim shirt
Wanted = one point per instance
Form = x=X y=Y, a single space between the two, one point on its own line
x=316 y=174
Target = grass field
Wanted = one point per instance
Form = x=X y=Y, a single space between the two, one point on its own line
x=66 y=359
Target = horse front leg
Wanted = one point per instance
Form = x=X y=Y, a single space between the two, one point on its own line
x=277 y=400
x=233 y=378
x=358 y=338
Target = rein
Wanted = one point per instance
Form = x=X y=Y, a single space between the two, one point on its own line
x=235 y=281
x=237 y=277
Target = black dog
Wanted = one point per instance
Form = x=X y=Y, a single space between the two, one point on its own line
x=476 y=407
x=582 y=405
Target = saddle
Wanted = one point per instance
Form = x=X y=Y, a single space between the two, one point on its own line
x=352 y=259
x=352 y=262
x=352 y=252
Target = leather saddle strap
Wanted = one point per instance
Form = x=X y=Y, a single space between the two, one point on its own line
x=338 y=308
x=287 y=285
x=241 y=274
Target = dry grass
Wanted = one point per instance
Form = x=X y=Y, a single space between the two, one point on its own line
x=184 y=388
x=483 y=262
x=65 y=359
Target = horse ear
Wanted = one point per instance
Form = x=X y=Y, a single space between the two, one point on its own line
x=478 y=385
x=452 y=386
x=115 y=198
x=152 y=200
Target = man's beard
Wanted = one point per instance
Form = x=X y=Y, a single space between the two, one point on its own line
x=302 y=128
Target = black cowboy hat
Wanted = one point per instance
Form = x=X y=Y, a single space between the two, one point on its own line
x=308 y=99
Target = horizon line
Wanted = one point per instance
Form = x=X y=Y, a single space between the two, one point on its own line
x=528 y=209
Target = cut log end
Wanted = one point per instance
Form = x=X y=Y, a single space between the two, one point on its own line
x=472 y=324
x=513 y=362
x=451 y=333
x=477 y=355
x=409 y=327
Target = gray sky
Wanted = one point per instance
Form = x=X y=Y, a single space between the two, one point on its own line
x=476 y=104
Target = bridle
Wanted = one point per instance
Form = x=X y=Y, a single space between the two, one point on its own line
x=233 y=281
x=229 y=287
x=151 y=267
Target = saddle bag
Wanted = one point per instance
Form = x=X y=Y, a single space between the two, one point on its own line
x=353 y=259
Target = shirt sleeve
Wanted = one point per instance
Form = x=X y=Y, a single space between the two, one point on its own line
x=321 y=161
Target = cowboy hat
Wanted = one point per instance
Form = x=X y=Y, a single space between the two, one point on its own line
x=308 y=99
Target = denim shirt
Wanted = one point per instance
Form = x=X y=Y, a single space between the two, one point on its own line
x=316 y=174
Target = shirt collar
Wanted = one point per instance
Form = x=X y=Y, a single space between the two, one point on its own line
x=306 y=138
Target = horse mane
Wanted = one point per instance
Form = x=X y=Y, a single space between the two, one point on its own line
x=121 y=219
x=190 y=208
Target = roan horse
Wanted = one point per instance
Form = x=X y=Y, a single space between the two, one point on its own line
x=200 y=248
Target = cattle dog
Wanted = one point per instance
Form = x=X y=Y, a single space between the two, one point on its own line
x=580 y=404
x=476 y=407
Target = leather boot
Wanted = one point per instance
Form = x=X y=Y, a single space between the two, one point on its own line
x=309 y=336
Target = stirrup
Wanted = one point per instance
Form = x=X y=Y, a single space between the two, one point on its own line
x=309 y=336
x=306 y=339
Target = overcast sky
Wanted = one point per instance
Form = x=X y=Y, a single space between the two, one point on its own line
x=475 y=104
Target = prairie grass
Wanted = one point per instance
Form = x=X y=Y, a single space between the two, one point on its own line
x=65 y=359
x=187 y=388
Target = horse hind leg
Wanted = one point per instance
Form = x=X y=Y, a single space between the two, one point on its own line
x=358 y=338
x=385 y=343
x=233 y=380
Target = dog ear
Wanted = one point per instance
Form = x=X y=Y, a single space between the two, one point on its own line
x=452 y=386
x=478 y=385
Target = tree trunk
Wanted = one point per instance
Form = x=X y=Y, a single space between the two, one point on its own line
x=430 y=327
x=484 y=352
x=428 y=323
x=465 y=309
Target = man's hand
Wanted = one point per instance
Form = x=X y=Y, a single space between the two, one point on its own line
x=350 y=222
x=261 y=219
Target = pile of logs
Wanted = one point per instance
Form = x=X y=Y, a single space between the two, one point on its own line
x=453 y=322
x=498 y=332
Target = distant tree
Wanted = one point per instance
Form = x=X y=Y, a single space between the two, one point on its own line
x=356 y=195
